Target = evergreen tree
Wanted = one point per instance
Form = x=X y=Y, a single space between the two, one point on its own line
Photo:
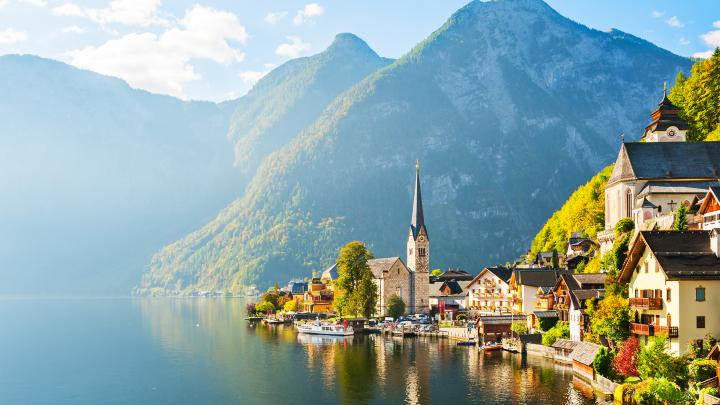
x=680 y=223
x=698 y=96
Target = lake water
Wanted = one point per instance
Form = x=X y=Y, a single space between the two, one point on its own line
x=156 y=351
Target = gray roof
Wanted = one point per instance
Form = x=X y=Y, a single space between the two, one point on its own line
x=546 y=314
x=499 y=319
x=585 y=353
x=502 y=272
x=681 y=254
x=538 y=277
x=565 y=344
x=677 y=187
x=583 y=279
x=382 y=265
x=667 y=160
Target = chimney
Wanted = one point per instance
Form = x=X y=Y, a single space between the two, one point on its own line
x=715 y=241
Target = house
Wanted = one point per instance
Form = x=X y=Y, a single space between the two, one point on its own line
x=452 y=274
x=674 y=285
x=524 y=285
x=563 y=349
x=651 y=178
x=391 y=277
x=583 y=356
x=319 y=297
x=493 y=328
x=330 y=274
x=449 y=297
x=545 y=259
x=578 y=245
x=574 y=262
x=571 y=294
x=489 y=291
x=709 y=211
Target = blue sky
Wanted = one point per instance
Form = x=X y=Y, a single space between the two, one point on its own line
x=217 y=49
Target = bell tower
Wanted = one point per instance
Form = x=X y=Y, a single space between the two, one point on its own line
x=666 y=125
x=418 y=253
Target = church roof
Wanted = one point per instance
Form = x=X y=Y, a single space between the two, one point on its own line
x=331 y=273
x=664 y=117
x=417 y=221
x=677 y=187
x=382 y=265
x=667 y=160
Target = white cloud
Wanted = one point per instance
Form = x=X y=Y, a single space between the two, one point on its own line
x=128 y=12
x=11 y=36
x=161 y=62
x=711 y=39
x=683 y=41
x=274 y=17
x=306 y=13
x=293 y=48
x=674 y=22
x=3 y=3
x=703 y=55
x=657 y=13
x=73 y=29
x=36 y=3
x=716 y=24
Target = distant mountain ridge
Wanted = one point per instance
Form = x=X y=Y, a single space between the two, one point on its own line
x=509 y=106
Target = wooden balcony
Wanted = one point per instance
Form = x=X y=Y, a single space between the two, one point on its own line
x=652 y=330
x=646 y=303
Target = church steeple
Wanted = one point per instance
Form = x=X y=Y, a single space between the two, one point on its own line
x=666 y=125
x=418 y=218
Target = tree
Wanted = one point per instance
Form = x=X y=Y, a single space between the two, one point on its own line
x=624 y=226
x=660 y=390
x=250 y=309
x=625 y=362
x=519 y=328
x=555 y=261
x=272 y=296
x=358 y=292
x=700 y=370
x=560 y=331
x=698 y=96
x=265 y=307
x=290 y=306
x=436 y=272
x=654 y=361
x=602 y=364
x=610 y=317
x=395 y=306
x=680 y=223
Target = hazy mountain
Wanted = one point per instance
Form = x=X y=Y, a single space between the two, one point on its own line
x=95 y=176
x=292 y=96
x=509 y=106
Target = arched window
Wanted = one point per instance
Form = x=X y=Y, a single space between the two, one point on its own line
x=628 y=204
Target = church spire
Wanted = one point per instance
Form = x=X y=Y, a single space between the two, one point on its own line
x=418 y=219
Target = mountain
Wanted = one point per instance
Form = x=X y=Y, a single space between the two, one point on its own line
x=96 y=176
x=509 y=106
x=292 y=96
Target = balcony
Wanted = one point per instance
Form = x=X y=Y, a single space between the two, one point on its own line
x=646 y=303
x=652 y=330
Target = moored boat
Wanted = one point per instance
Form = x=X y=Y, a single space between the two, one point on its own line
x=490 y=347
x=317 y=328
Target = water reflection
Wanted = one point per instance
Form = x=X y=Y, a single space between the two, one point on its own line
x=256 y=363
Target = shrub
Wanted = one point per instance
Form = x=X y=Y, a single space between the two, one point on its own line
x=655 y=362
x=624 y=225
x=395 y=306
x=546 y=324
x=461 y=317
x=250 y=309
x=659 y=390
x=626 y=360
x=265 y=307
x=700 y=370
x=560 y=331
x=290 y=306
x=519 y=328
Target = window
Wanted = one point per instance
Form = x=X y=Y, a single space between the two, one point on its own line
x=700 y=322
x=657 y=267
x=410 y=252
x=421 y=252
x=646 y=267
x=669 y=320
x=700 y=294
x=628 y=203
x=668 y=295
x=637 y=293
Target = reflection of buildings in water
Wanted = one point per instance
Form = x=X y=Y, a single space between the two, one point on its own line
x=324 y=340
x=378 y=344
x=412 y=387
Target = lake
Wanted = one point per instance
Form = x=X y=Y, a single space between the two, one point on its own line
x=162 y=350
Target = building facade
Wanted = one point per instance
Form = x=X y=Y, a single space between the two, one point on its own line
x=391 y=277
x=489 y=292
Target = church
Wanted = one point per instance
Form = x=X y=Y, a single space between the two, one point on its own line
x=651 y=178
x=410 y=280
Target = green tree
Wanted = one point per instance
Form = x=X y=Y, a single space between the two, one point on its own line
x=264 y=307
x=436 y=272
x=654 y=361
x=519 y=328
x=290 y=306
x=603 y=362
x=561 y=330
x=355 y=286
x=555 y=261
x=610 y=317
x=395 y=306
x=658 y=391
x=698 y=96
x=680 y=223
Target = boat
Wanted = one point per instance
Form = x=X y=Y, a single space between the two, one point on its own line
x=327 y=329
x=490 y=347
x=254 y=318
x=469 y=342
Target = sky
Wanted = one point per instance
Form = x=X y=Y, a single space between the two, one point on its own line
x=217 y=49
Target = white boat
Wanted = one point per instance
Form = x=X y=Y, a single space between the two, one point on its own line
x=317 y=328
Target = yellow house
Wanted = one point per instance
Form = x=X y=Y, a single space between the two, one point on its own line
x=674 y=285
x=319 y=297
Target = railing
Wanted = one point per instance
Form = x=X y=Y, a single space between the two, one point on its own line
x=646 y=303
x=652 y=330
x=641 y=329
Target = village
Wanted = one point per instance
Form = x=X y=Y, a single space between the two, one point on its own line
x=657 y=304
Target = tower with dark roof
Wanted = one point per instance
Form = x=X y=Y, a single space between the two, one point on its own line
x=666 y=125
x=418 y=251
